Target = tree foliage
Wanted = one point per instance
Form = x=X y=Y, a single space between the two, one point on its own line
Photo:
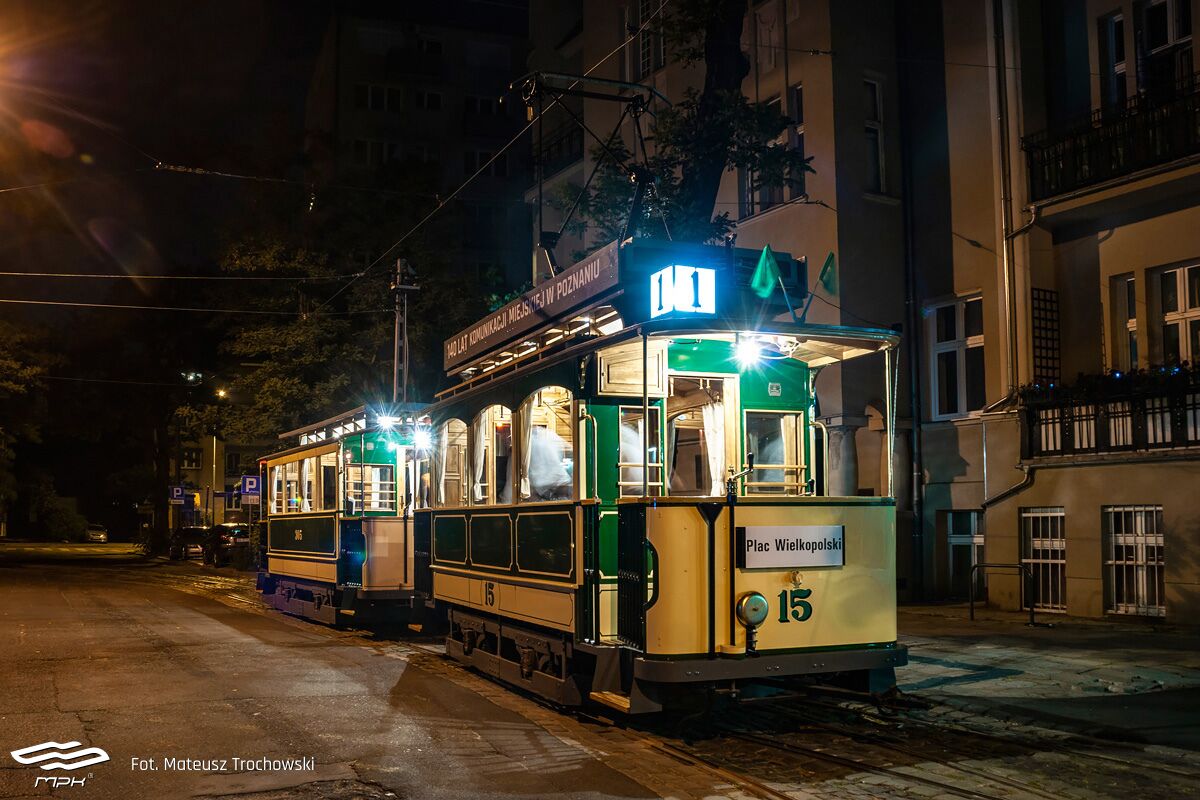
x=22 y=402
x=691 y=145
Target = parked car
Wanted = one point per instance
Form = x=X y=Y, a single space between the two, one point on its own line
x=187 y=542
x=226 y=543
x=95 y=533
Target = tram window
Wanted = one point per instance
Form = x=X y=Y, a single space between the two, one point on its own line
x=421 y=483
x=547 y=456
x=774 y=438
x=329 y=482
x=491 y=457
x=370 y=487
x=277 y=505
x=452 y=464
x=309 y=501
x=633 y=435
x=696 y=436
x=291 y=487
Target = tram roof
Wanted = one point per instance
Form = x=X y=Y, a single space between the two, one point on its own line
x=612 y=294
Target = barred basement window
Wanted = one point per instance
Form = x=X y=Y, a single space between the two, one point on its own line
x=1044 y=549
x=1134 y=563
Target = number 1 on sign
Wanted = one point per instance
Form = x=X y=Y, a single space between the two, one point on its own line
x=794 y=605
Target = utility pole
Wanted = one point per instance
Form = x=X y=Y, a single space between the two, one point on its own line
x=400 y=289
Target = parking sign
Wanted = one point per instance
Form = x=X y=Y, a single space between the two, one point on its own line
x=250 y=490
x=176 y=498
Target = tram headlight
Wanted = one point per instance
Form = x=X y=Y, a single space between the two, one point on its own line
x=422 y=439
x=752 y=609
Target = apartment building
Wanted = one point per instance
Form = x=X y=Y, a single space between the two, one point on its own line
x=210 y=469
x=1010 y=183
x=402 y=87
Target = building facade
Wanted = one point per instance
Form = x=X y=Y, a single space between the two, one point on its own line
x=1010 y=183
x=210 y=470
x=406 y=87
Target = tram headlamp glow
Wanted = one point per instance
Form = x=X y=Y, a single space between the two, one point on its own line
x=748 y=353
x=422 y=439
x=752 y=609
x=387 y=423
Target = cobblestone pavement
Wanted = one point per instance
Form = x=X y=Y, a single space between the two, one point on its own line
x=971 y=737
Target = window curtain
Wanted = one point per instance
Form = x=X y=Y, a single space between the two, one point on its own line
x=632 y=443
x=277 y=488
x=443 y=451
x=482 y=424
x=527 y=443
x=714 y=445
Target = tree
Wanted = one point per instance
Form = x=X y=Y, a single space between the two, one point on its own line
x=281 y=372
x=22 y=405
x=694 y=142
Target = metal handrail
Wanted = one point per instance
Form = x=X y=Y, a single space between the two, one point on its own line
x=1028 y=593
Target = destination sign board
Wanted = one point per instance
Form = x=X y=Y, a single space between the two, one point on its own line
x=790 y=546
x=546 y=301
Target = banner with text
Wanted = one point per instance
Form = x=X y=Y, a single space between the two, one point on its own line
x=549 y=300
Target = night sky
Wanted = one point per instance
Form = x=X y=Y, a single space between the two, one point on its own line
x=93 y=96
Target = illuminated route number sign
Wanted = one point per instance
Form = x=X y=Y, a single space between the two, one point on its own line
x=689 y=290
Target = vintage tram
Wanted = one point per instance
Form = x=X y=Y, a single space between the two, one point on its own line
x=626 y=491
x=337 y=514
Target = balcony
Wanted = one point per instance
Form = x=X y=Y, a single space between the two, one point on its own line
x=1155 y=411
x=1150 y=130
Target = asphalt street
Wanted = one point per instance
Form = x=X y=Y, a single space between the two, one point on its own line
x=193 y=688
x=116 y=653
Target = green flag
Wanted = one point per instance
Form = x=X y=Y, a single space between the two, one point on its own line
x=829 y=276
x=766 y=274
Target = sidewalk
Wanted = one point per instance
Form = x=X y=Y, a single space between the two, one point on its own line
x=1133 y=682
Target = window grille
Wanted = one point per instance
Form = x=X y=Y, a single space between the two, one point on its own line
x=1044 y=549
x=1134 y=562
x=1046 y=357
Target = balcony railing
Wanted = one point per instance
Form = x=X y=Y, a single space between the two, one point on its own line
x=1111 y=418
x=1151 y=129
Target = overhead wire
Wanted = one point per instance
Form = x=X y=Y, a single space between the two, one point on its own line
x=120 y=276
x=258 y=312
x=483 y=168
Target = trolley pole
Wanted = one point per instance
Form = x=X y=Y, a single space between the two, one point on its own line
x=400 y=290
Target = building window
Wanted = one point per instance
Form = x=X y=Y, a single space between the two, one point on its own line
x=1046 y=358
x=1163 y=31
x=1179 y=298
x=233 y=463
x=474 y=160
x=652 y=45
x=373 y=97
x=430 y=47
x=483 y=106
x=375 y=154
x=191 y=458
x=1133 y=560
x=1123 y=300
x=956 y=358
x=796 y=180
x=430 y=101
x=964 y=549
x=873 y=111
x=769 y=33
x=1044 y=549
x=1112 y=62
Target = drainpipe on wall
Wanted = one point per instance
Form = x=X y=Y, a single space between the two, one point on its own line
x=1007 y=253
x=913 y=337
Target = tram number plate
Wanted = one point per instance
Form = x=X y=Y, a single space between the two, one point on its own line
x=788 y=546
x=489 y=593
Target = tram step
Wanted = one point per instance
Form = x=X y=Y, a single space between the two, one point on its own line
x=611 y=699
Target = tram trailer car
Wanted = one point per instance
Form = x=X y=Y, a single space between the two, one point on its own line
x=627 y=494
x=338 y=518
